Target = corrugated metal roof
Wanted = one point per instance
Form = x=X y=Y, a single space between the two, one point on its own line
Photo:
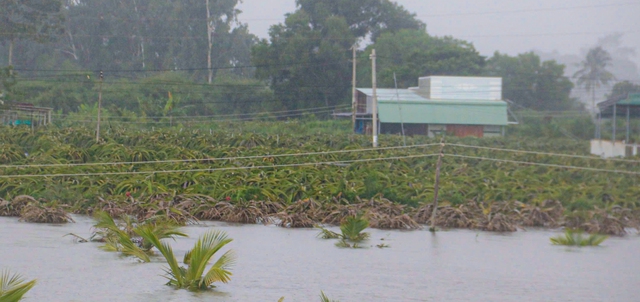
x=407 y=106
x=632 y=100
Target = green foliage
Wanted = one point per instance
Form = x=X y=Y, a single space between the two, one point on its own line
x=303 y=63
x=363 y=17
x=351 y=232
x=118 y=238
x=593 y=72
x=531 y=83
x=576 y=238
x=352 y=229
x=623 y=89
x=13 y=287
x=7 y=81
x=411 y=54
x=328 y=234
x=324 y=298
x=38 y=21
x=195 y=276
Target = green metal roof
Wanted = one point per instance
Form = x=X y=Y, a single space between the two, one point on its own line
x=624 y=104
x=632 y=100
x=407 y=106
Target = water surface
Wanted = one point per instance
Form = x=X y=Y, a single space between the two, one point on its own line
x=273 y=262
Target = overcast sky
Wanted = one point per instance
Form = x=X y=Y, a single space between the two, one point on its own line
x=567 y=26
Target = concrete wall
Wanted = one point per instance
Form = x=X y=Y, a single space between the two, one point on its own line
x=608 y=149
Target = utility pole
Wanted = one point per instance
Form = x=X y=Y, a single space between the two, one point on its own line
x=436 y=187
x=99 y=106
x=354 y=93
x=374 y=114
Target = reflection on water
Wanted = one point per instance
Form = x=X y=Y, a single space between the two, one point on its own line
x=275 y=262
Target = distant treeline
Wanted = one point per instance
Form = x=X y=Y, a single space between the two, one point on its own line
x=155 y=57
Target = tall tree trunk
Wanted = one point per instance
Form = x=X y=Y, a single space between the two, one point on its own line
x=11 y=51
x=209 y=34
x=135 y=6
x=593 y=98
x=11 y=56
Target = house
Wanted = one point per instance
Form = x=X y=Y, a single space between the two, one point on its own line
x=626 y=107
x=460 y=106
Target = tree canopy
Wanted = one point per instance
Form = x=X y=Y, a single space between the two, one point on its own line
x=364 y=17
x=35 y=20
x=622 y=89
x=593 y=72
x=531 y=83
x=411 y=54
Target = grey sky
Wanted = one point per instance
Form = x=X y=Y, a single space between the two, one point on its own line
x=539 y=24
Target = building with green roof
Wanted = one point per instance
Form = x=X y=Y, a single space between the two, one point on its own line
x=625 y=107
x=460 y=106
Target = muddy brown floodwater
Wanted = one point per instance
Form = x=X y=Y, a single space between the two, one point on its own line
x=273 y=262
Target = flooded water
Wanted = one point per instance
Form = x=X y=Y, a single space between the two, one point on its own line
x=275 y=262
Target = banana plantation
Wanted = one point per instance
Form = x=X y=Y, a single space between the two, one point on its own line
x=301 y=178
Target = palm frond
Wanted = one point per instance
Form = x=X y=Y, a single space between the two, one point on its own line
x=576 y=238
x=13 y=287
x=327 y=234
x=209 y=244
x=324 y=298
x=219 y=272
x=352 y=228
x=146 y=232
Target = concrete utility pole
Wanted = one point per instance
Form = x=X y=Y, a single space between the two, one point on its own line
x=436 y=187
x=374 y=114
x=354 y=94
x=99 y=106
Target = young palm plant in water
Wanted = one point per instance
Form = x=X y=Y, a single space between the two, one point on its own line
x=13 y=287
x=124 y=238
x=193 y=277
x=577 y=238
x=351 y=232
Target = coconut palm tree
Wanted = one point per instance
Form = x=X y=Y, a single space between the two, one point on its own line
x=193 y=277
x=593 y=71
x=13 y=287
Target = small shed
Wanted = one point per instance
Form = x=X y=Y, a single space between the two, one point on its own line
x=626 y=107
x=459 y=106
x=18 y=114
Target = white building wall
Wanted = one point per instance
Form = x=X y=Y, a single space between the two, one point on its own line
x=607 y=149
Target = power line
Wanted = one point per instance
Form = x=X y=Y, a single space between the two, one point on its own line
x=218 y=158
x=350 y=38
x=545 y=153
x=222 y=169
x=142 y=19
x=532 y=10
x=305 y=110
x=544 y=165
